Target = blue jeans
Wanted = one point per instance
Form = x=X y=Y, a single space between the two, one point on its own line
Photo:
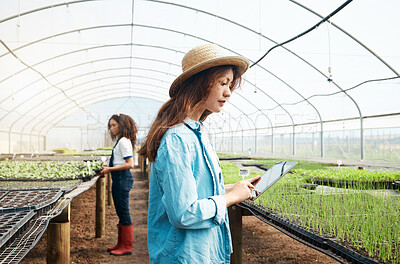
x=122 y=183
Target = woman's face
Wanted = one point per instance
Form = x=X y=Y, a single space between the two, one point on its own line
x=220 y=92
x=114 y=127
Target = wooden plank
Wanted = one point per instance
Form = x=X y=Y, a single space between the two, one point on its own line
x=100 y=206
x=236 y=226
x=58 y=243
x=64 y=217
x=109 y=190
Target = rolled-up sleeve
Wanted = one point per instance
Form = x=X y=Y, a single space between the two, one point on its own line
x=179 y=196
x=220 y=204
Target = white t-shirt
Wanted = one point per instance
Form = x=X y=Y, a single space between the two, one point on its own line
x=122 y=151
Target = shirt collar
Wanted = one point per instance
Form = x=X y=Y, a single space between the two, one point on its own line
x=196 y=125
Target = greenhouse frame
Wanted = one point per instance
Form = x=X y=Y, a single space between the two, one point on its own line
x=308 y=145
x=329 y=94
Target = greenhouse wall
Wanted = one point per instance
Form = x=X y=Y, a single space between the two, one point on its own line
x=382 y=144
x=21 y=143
x=379 y=144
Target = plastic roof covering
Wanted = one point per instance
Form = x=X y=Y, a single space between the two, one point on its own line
x=62 y=57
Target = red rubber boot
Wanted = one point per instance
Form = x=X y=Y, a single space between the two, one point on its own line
x=127 y=242
x=119 y=240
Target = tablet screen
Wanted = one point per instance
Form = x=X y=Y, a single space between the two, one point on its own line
x=272 y=175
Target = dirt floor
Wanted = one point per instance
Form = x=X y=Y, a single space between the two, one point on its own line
x=261 y=242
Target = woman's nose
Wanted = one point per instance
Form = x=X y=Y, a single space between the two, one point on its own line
x=227 y=92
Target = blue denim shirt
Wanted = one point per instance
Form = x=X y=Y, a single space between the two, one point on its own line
x=187 y=220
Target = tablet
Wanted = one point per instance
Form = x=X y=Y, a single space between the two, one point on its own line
x=272 y=175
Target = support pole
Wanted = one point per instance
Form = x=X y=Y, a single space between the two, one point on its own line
x=100 y=206
x=109 y=190
x=144 y=167
x=58 y=238
x=140 y=157
x=148 y=173
x=236 y=226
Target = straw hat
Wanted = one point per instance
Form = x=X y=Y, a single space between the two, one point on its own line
x=204 y=57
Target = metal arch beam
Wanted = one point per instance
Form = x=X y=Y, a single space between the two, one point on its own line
x=66 y=33
x=54 y=121
x=131 y=25
x=97 y=47
x=57 y=103
x=178 y=32
x=109 y=77
x=174 y=31
x=150 y=96
x=265 y=37
x=68 y=53
x=219 y=17
x=67 y=103
x=230 y=21
x=259 y=33
x=90 y=62
x=122 y=68
x=153 y=78
x=125 y=57
x=44 y=8
x=182 y=33
x=99 y=101
x=106 y=100
x=240 y=25
x=49 y=123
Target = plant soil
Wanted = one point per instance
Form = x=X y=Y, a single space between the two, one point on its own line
x=261 y=242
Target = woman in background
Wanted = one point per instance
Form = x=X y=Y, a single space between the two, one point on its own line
x=188 y=219
x=122 y=129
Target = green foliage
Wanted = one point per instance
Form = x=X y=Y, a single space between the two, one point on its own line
x=229 y=155
x=307 y=165
x=87 y=154
x=348 y=174
x=105 y=148
x=35 y=170
x=366 y=219
x=230 y=171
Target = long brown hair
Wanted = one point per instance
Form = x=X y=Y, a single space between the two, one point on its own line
x=127 y=127
x=191 y=93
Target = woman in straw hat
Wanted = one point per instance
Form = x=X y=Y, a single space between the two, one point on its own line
x=188 y=220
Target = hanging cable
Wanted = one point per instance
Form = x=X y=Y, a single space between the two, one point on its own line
x=328 y=94
x=305 y=32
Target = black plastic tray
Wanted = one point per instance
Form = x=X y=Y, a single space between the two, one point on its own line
x=19 y=200
x=12 y=224
x=260 y=166
x=234 y=158
x=2 y=193
x=351 y=184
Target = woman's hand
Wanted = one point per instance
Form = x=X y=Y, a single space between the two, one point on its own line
x=105 y=169
x=241 y=191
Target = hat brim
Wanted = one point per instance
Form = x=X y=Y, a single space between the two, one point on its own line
x=241 y=62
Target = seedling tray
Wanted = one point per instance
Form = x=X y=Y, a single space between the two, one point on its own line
x=19 y=200
x=2 y=193
x=324 y=244
x=12 y=224
x=352 y=184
